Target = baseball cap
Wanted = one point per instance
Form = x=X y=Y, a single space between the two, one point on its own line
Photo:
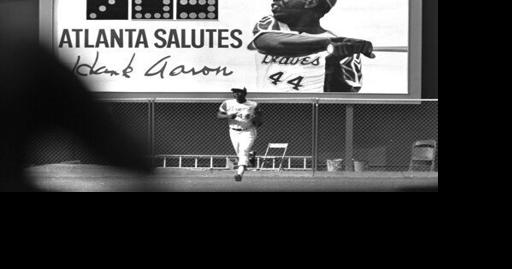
x=239 y=90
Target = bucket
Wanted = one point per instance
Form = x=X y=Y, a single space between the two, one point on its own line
x=334 y=165
x=360 y=166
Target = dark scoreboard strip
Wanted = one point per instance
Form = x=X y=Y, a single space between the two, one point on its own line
x=153 y=9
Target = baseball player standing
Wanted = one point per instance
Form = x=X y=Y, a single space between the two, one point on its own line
x=244 y=117
x=296 y=54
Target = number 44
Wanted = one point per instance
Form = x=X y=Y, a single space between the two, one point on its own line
x=296 y=82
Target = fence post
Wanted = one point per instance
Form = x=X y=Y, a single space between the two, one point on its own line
x=150 y=130
x=152 y=124
x=349 y=137
x=314 y=161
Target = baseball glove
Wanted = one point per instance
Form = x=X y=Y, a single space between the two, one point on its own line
x=257 y=121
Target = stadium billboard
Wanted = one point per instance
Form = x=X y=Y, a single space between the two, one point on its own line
x=203 y=48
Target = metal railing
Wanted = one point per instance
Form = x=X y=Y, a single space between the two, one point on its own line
x=165 y=161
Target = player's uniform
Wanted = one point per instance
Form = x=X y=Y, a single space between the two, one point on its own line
x=241 y=129
x=314 y=73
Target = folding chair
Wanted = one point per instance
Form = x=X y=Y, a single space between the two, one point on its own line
x=283 y=146
x=423 y=151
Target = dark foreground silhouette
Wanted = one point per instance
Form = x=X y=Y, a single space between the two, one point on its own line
x=38 y=94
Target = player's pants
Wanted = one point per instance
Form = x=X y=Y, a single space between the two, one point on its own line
x=242 y=143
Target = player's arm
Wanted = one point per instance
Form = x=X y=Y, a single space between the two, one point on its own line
x=223 y=112
x=289 y=44
x=224 y=115
x=342 y=47
x=270 y=39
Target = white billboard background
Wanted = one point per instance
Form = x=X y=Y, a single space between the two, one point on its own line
x=384 y=22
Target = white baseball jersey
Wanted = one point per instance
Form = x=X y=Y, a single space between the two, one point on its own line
x=306 y=74
x=244 y=113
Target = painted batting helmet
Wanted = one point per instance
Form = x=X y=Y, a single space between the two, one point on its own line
x=326 y=5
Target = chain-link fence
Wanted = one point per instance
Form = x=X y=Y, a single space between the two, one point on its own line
x=60 y=145
x=378 y=135
x=384 y=134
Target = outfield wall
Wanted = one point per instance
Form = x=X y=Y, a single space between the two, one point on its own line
x=379 y=134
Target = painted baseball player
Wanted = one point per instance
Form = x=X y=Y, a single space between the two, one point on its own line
x=244 y=117
x=295 y=54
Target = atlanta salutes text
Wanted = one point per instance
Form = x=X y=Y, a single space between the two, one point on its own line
x=162 y=38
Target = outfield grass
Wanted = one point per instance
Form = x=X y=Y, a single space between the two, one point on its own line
x=91 y=178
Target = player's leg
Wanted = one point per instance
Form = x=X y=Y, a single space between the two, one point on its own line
x=247 y=140
x=235 y=140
